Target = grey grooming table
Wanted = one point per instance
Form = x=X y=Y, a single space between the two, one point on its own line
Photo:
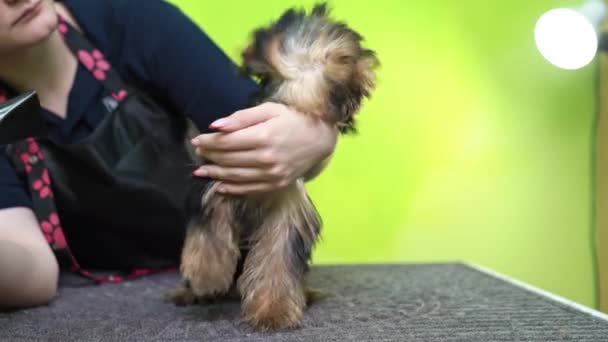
x=429 y=302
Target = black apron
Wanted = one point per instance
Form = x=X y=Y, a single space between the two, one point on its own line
x=128 y=181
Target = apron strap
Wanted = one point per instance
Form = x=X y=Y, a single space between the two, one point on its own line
x=29 y=161
x=93 y=60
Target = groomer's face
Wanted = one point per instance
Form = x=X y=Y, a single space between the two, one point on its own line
x=24 y=23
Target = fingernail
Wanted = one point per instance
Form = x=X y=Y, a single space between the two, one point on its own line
x=221 y=189
x=221 y=123
x=194 y=141
x=200 y=173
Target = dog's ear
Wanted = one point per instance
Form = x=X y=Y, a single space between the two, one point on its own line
x=257 y=56
x=346 y=97
x=254 y=61
x=365 y=75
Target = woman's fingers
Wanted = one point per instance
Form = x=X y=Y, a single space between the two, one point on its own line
x=233 y=174
x=245 y=139
x=241 y=159
x=249 y=188
x=247 y=117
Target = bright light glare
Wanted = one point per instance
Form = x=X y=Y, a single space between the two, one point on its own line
x=566 y=38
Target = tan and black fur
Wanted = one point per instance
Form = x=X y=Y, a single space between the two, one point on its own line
x=260 y=245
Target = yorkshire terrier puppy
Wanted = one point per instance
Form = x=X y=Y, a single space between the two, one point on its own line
x=261 y=245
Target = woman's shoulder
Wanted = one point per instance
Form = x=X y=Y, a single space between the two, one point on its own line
x=118 y=16
x=116 y=26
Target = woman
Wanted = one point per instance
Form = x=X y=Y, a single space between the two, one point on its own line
x=157 y=50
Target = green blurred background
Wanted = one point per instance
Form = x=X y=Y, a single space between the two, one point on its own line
x=473 y=148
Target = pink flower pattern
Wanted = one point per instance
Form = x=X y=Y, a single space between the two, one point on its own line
x=53 y=231
x=95 y=62
x=43 y=185
x=120 y=95
x=62 y=27
x=31 y=156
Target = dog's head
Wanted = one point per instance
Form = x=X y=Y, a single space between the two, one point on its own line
x=314 y=64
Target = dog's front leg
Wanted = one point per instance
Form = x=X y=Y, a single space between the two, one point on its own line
x=211 y=252
x=271 y=285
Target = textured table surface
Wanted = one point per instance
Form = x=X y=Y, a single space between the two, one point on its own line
x=434 y=302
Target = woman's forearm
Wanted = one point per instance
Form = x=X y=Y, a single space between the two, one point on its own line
x=27 y=276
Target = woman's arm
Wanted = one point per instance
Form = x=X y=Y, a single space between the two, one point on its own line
x=257 y=149
x=182 y=65
x=28 y=268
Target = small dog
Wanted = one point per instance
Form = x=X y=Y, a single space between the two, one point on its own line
x=260 y=246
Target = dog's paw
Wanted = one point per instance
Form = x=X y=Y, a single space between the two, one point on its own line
x=265 y=312
x=209 y=263
x=313 y=295
x=275 y=320
x=182 y=296
x=207 y=282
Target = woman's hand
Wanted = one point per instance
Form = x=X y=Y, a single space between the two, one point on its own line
x=263 y=148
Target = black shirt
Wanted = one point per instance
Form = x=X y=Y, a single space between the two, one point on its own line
x=154 y=46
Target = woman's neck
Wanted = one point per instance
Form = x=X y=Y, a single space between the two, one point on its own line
x=48 y=68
